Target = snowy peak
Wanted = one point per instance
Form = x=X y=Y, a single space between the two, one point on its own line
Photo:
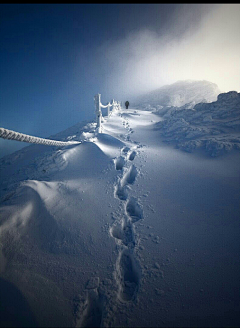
x=179 y=94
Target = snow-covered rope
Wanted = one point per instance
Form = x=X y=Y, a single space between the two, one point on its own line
x=12 y=135
x=116 y=105
x=98 y=105
x=106 y=105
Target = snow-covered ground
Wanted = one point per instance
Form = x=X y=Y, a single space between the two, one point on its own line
x=213 y=127
x=121 y=230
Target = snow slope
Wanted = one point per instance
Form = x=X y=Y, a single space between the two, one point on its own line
x=120 y=230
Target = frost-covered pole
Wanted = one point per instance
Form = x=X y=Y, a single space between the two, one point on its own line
x=97 y=100
x=108 y=109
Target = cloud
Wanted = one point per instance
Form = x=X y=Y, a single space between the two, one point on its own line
x=208 y=50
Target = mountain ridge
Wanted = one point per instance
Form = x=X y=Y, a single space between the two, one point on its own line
x=179 y=94
x=213 y=126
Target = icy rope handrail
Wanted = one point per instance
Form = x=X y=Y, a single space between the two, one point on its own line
x=13 y=135
x=98 y=105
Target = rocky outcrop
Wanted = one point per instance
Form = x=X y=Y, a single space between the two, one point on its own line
x=213 y=126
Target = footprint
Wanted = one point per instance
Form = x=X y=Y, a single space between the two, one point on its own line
x=116 y=231
x=125 y=150
x=92 y=314
x=120 y=192
x=134 y=210
x=130 y=176
x=132 y=155
x=123 y=233
x=127 y=276
x=128 y=235
x=119 y=163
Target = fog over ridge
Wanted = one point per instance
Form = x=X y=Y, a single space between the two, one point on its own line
x=145 y=59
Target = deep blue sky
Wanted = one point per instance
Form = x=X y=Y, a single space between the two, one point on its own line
x=55 y=57
x=49 y=68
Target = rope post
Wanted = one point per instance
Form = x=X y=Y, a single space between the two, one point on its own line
x=97 y=100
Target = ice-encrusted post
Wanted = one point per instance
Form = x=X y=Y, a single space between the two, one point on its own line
x=97 y=100
x=114 y=105
x=108 y=109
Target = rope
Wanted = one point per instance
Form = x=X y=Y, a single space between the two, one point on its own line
x=12 y=135
x=107 y=105
x=103 y=106
x=115 y=103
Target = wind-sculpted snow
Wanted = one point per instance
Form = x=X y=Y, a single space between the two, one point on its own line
x=214 y=127
x=120 y=230
x=39 y=161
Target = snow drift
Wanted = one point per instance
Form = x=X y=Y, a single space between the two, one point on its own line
x=120 y=230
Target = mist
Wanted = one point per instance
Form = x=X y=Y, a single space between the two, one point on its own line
x=206 y=48
x=55 y=58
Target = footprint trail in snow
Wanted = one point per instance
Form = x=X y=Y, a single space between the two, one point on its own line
x=95 y=308
x=127 y=272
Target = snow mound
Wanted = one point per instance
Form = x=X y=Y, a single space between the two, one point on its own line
x=214 y=126
x=109 y=145
x=39 y=162
x=122 y=230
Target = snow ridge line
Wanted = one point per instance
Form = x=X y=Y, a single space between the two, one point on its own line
x=13 y=135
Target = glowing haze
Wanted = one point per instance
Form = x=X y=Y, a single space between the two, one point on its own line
x=55 y=57
x=208 y=49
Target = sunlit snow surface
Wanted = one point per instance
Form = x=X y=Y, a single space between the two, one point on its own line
x=121 y=230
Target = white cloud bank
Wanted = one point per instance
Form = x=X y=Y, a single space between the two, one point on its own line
x=210 y=50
